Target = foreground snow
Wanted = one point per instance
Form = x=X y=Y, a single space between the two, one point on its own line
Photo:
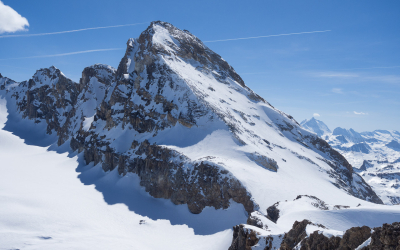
x=45 y=206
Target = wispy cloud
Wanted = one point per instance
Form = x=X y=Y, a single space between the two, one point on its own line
x=256 y=37
x=316 y=115
x=360 y=113
x=10 y=20
x=71 y=31
x=379 y=67
x=337 y=91
x=357 y=77
x=335 y=74
x=64 y=54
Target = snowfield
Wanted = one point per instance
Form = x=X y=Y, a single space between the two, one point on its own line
x=44 y=205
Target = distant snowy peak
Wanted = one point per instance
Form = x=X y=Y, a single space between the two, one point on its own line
x=316 y=126
x=349 y=134
x=375 y=155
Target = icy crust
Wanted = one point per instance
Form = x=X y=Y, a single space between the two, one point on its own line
x=176 y=114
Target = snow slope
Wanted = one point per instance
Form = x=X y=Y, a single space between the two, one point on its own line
x=45 y=206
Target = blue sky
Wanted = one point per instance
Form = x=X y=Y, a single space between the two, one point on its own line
x=349 y=76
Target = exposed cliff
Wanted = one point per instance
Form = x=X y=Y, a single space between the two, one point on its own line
x=179 y=116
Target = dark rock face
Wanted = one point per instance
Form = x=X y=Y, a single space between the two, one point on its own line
x=295 y=235
x=54 y=102
x=254 y=220
x=243 y=239
x=354 y=237
x=204 y=185
x=273 y=212
x=386 y=237
x=318 y=241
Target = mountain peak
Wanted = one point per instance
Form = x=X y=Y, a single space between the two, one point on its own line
x=349 y=134
x=162 y=40
x=316 y=126
x=51 y=71
x=179 y=116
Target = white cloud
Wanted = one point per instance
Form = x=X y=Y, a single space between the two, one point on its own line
x=337 y=91
x=10 y=20
x=360 y=113
x=316 y=115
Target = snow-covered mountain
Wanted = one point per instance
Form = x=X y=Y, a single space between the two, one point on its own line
x=374 y=155
x=179 y=116
x=178 y=120
x=316 y=126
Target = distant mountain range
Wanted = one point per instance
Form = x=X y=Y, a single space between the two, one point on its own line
x=375 y=155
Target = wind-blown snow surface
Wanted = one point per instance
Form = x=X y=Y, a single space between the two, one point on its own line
x=43 y=205
x=374 y=155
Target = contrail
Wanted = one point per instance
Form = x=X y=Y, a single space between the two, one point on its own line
x=64 y=54
x=70 y=31
x=383 y=67
x=255 y=37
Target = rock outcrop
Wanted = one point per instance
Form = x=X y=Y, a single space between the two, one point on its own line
x=170 y=93
x=295 y=235
x=243 y=238
x=386 y=237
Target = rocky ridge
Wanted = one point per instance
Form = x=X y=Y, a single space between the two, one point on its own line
x=170 y=93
